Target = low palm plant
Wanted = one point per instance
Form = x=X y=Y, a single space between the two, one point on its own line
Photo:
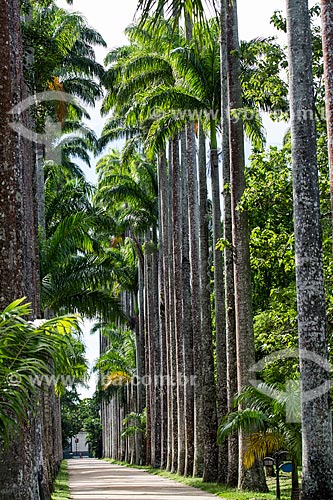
x=262 y=416
x=117 y=363
x=28 y=354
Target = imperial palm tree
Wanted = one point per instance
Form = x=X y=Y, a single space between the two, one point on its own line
x=18 y=249
x=128 y=193
x=317 y=479
x=327 y=34
x=248 y=479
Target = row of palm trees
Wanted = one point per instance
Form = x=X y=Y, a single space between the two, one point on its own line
x=165 y=91
x=183 y=87
x=58 y=49
x=141 y=250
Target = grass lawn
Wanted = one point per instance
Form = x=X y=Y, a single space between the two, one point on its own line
x=218 y=489
x=61 y=488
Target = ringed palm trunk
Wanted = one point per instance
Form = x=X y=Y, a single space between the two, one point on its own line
x=140 y=364
x=148 y=352
x=193 y=392
x=327 y=33
x=254 y=478
x=317 y=456
x=164 y=301
x=232 y=471
x=21 y=474
x=177 y=266
x=178 y=393
x=220 y=323
x=156 y=364
x=187 y=322
x=171 y=316
x=173 y=420
x=193 y=215
x=210 y=471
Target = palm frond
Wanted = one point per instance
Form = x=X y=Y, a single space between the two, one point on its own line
x=27 y=356
x=248 y=420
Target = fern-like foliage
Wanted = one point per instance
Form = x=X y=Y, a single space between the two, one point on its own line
x=28 y=353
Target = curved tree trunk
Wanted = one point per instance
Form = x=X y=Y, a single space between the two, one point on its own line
x=317 y=457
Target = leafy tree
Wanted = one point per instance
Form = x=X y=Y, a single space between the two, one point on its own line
x=81 y=415
x=268 y=200
x=70 y=423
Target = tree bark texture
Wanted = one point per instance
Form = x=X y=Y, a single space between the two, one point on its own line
x=164 y=301
x=173 y=421
x=177 y=259
x=187 y=322
x=193 y=218
x=220 y=326
x=317 y=456
x=327 y=34
x=254 y=478
x=156 y=364
x=209 y=416
x=27 y=467
x=232 y=473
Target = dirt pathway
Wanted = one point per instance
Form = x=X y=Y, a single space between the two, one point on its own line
x=91 y=479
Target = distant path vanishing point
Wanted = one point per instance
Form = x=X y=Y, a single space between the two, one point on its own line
x=91 y=479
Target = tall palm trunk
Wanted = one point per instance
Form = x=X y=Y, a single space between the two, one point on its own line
x=210 y=471
x=21 y=473
x=220 y=323
x=252 y=479
x=148 y=349
x=317 y=457
x=193 y=212
x=232 y=471
x=140 y=363
x=178 y=410
x=195 y=452
x=327 y=33
x=164 y=302
x=172 y=392
x=179 y=330
x=172 y=403
x=156 y=364
x=187 y=322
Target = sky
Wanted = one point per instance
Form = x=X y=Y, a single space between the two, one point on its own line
x=110 y=18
